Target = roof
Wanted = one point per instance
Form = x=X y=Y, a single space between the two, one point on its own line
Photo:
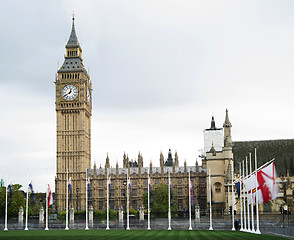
x=282 y=150
x=72 y=64
x=73 y=39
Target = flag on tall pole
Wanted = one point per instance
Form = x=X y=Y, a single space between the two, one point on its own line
x=49 y=202
x=87 y=182
x=248 y=200
x=190 y=190
x=128 y=186
x=267 y=188
x=241 y=207
x=169 y=212
x=210 y=210
x=70 y=190
x=238 y=188
x=50 y=198
x=233 y=215
x=6 y=205
x=108 y=187
x=32 y=192
x=66 y=215
x=251 y=195
x=257 y=202
x=27 y=208
x=89 y=187
x=10 y=193
x=244 y=197
x=149 y=188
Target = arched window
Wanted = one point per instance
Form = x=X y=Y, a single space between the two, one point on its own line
x=217 y=187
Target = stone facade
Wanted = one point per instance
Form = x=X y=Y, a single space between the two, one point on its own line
x=73 y=116
x=139 y=183
x=220 y=164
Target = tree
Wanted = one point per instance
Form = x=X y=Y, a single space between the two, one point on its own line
x=159 y=201
x=17 y=200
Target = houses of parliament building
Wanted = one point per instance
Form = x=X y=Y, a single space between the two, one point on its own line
x=73 y=105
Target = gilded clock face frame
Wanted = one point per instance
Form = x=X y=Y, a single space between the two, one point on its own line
x=69 y=92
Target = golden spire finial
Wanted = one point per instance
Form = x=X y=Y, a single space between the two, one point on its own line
x=73 y=16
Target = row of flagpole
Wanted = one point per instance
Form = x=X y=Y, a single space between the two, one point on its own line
x=49 y=202
x=246 y=224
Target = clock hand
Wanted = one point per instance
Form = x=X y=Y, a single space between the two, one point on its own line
x=68 y=92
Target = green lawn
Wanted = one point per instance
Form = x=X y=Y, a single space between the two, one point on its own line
x=131 y=235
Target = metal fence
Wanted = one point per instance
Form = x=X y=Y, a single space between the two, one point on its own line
x=271 y=225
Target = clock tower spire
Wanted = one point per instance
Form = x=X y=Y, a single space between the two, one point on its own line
x=73 y=105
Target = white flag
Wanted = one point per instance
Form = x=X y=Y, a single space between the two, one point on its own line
x=267 y=188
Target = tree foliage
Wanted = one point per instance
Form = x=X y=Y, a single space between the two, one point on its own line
x=17 y=200
x=159 y=201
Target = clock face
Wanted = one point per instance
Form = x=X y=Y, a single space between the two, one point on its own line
x=69 y=92
x=88 y=95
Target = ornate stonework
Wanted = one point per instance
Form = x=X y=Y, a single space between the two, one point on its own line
x=73 y=117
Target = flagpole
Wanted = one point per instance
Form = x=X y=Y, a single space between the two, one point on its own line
x=148 y=227
x=66 y=215
x=27 y=203
x=107 y=220
x=257 y=203
x=251 y=183
x=5 y=228
x=244 y=198
x=241 y=183
x=233 y=217
x=169 y=213
x=86 y=228
x=128 y=220
x=47 y=195
x=248 y=208
x=190 y=222
x=210 y=210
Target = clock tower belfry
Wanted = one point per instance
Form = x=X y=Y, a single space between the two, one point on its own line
x=73 y=104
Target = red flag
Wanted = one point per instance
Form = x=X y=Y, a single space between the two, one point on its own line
x=266 y=178
x=263 y=187
x=50 y=199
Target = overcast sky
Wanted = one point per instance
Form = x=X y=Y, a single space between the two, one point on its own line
x=159 y=69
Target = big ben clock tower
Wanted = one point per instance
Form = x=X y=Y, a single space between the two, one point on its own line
x=73 y=106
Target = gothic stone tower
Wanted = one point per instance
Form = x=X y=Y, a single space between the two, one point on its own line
x=73 y=117
x=220 y=163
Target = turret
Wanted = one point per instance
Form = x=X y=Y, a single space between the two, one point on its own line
x=161 y=159
x=227 y=131
x=169 y=161
x=212 y=125
x=176 y=159
x=125 y=160
x=140 y=160
x=107 y=164
x=116 y=168
x=150 y=168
